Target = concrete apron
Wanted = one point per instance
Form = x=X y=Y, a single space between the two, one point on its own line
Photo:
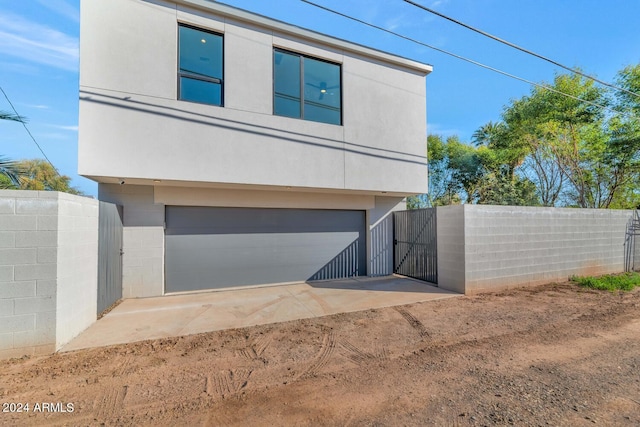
x=186 y=314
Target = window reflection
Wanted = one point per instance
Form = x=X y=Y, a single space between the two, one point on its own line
x=200 y=66
x=306 y=88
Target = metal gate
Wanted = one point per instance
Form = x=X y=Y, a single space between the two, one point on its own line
x=632 y=243
x=415 y=244
x=109 y=255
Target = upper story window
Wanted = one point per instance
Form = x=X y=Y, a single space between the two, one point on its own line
x=200 y=68
x=306 y=88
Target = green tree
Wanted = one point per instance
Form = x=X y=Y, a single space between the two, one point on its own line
x=499 y=183
x=544 y=173
x=443 y=188
x=466 y=166
x=36 y=174
x=573 y=151
x=13 y=117
x=498 y=189
x=549 y=149
x=419 y=201
x=572 y=131
x=623 y=152
x=10 y=174
x=507 y=151
x=39 y=174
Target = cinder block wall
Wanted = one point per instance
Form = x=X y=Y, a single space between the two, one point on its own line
x=77 y=299
x=143 y=238
x=450 y=238
x=48 y=270
x=506 y=246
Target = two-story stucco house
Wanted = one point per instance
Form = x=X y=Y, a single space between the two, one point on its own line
x=245 y=151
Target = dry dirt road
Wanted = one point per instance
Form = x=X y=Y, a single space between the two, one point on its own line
x=550 y=355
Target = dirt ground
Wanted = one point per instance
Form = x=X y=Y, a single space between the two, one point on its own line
x=550 y=355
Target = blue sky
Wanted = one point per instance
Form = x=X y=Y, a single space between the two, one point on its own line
x=39 y=57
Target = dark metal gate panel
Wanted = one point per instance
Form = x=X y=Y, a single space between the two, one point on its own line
x=632 y=243
x=415 y=244
x=109 y=255
x=213 y=248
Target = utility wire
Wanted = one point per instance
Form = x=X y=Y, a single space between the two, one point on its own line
x=471 y=61
x=27 y=129
x=515 y=46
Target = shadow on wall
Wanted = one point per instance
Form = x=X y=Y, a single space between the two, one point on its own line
x=632 y=243
x=382 y=248
x=348 y=263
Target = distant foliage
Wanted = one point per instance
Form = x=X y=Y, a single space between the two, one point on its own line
x=10 y=174
x=548 y=150
x=418 y=202
x=37 y=174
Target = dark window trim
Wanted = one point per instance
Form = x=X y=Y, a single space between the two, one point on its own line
x=301 y=56
x=196 y=76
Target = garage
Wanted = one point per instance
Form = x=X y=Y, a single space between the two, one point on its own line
x=214 y=248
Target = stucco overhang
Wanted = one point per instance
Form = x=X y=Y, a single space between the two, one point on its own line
x=284 y=28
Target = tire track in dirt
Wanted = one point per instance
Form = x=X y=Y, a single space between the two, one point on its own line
x=255 y=350
x=227 y=382
x=217 y=419
x=361 y=357
x=124 y=365
x=413 y=321
x=328 y=346
x=110 y=402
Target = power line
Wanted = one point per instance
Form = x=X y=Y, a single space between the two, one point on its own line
x=27 y=129
x=471 y=61
x=527 y=51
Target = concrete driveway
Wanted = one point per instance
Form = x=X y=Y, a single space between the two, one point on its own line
x=193 y=313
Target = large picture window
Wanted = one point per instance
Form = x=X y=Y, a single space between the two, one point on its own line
x=306 y=88
x=200 y=67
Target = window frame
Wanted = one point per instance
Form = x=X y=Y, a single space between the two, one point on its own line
x=301 y=57
x=199 y=77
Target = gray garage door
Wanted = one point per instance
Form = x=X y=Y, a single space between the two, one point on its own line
x=209 y=248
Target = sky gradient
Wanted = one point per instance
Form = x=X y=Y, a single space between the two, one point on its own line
x=39 y=57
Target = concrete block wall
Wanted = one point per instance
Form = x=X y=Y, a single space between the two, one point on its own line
x=505 y=246
x=143 y=238
x=34 y=279
x=28 y=255
x=451 y=257
x=76 y=303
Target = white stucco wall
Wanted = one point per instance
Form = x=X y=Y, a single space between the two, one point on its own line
x=132 y=126
x=142 y=238
x=144 y=210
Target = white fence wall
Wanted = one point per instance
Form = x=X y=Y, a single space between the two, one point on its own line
x=48 y=270
x=506 y=246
